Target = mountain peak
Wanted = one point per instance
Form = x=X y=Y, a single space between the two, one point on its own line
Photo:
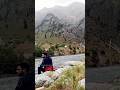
x=50 y=17
x=71 y=13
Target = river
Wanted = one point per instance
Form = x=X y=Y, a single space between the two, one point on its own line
x=60 y=60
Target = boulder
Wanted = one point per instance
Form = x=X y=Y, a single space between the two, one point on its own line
x=59 y=70
x=48 y=83
x=73 y=63
x=41 y=79
x=40 y=88
x=82 y=82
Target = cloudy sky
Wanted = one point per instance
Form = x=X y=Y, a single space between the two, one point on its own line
x=39 y=4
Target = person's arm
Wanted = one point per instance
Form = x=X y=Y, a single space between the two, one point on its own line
x=42 y=64
x=50 y=61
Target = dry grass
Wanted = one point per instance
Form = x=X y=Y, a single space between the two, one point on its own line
x=69 y=79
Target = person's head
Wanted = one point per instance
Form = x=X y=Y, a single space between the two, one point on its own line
x=45 y=54
x=22 y=69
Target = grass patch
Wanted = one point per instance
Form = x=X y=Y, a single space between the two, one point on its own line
x=69 y=80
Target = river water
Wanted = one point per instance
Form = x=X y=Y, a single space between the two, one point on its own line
x=60 y=60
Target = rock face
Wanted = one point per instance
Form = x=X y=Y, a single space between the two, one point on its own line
x=82 y=82
x=53 y=27
x=17 y=22
x=64 y=28
x=16 y=17
x=101 y=30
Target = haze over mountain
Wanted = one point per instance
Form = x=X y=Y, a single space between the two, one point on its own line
x=61 y=24
x=72 y=13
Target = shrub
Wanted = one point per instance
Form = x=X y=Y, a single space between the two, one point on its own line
x=38 y=52
x=51 y=52
x=69 y=79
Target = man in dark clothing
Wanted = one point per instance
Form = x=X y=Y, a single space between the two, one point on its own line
x=46 y=64
x=26 y=80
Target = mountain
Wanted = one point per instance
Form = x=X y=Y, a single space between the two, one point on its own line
x=60 y=24
x=71 y=14
x=48 y=22
x=55 y=30
x=16 y=20
x=103 y=31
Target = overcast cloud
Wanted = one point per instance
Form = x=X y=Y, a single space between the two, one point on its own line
x=39 y=4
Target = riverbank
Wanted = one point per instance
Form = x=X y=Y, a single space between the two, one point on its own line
x=70 y=77
x=60 y=60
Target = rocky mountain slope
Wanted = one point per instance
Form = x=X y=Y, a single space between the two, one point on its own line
x=17 y=18
x=102 y=30
x=53 y=27
x=59 y=28
x=72 y=13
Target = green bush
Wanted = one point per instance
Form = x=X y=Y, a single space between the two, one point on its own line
x=62 y=45
x=38 y=52
x=51 y=52
x=56 y=46
x=53 y=48
x=69 y=79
